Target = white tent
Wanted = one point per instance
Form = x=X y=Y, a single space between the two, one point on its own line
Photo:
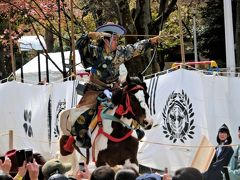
x=28 y=43
x=30 y=69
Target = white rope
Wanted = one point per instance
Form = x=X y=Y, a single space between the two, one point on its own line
x=34 y=82
x=7 y=78
x=185 y=146
x=221 y=72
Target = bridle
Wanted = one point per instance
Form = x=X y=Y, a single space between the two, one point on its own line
x=120 y=110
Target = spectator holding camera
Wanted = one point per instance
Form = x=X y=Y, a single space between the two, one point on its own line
x=32 y=169
x=100 y=173
x=5 y=165
x=83 y=173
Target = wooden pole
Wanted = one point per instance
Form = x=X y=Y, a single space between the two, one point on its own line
x=73 y=40
x=39 y=67
x=47 y=69
x=10 y=139
x=181 y=35
x=60 y=40
x=22 y=76
x=195 y=39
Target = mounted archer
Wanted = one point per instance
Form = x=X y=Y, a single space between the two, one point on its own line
x=104 y=57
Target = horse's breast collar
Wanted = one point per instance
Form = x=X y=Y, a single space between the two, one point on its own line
x=101 y=131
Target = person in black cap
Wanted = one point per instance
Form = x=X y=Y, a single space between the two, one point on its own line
x=187 y=173
x=5 y=176
x=55 y=166
x=58 y=177
x=104 y=58
x=234 y=165
x=222 y=155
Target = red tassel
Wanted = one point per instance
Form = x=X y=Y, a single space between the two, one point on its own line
x=119 y=110
x=69 y=145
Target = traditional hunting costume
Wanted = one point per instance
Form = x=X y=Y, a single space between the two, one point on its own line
x=99 y=51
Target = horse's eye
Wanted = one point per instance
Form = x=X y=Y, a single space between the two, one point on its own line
x=145 y=122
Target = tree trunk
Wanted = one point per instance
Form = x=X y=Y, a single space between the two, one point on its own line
x=61 y=41
x=140 y=22
x=238 y=34
x=49 y=40
x=143 y=16
x=2 y=64
x=128 y=23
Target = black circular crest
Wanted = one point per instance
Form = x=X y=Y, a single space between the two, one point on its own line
x=178 y=117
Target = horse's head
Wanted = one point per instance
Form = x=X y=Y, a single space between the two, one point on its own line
x=132 y=102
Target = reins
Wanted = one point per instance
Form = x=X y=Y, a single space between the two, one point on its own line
x=103 y=115
x=120 y=110
x=101 y=131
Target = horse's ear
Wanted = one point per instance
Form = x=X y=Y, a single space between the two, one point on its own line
x=117 y=96
x=128 y=79
x=140 y=76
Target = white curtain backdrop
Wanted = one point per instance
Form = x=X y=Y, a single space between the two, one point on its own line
x=31 y=111
x=186 y=105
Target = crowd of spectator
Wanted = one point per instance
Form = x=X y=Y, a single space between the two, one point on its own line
x=40 y=169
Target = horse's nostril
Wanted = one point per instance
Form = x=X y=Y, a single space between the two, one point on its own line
x=148 y=127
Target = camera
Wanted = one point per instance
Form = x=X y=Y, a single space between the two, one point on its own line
x=24 y=155
x=81 y=166
x=2 y=158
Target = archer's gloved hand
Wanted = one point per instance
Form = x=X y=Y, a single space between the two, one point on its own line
x=108 y=93
x=154 y=40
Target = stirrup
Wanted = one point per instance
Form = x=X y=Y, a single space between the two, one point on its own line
x=84 y=142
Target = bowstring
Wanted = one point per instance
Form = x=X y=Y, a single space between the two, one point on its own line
x=150 y=62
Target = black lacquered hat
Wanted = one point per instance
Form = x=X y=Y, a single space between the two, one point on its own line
x=111 y=27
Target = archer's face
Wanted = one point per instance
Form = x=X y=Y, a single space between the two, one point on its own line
x=112 y=44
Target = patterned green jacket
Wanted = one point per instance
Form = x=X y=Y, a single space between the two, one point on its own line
x=105 y=67
x=234 y=169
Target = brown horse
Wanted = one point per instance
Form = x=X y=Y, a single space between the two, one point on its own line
x=113 y=141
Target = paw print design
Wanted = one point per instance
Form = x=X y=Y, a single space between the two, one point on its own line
x=61 y=106
x=56 y=132
x=27 y=124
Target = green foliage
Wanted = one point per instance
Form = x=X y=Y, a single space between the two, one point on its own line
x=171 y=30
x=211 y=37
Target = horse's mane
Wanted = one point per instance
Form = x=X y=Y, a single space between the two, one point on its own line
x=130 y=81
x=117 y=96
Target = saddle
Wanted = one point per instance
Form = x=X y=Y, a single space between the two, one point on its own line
x=75 y=123
x=86 y=121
